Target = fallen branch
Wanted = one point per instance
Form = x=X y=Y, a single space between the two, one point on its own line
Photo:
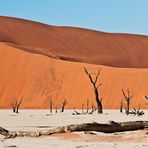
x=77 y=113
x=4 y=132
x=111 y=127
x=85 y=113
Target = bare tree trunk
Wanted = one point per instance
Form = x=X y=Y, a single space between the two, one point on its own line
x=93 y=108
x=51 y=104
x=62 y=109
x=121 y=107
x=15 y=105
x=87 y=106
x=56 y=109
x=99 y=103
x=128 y=103
x=111 y=127
x=95 y=88
x=14 y=110
x=82 y=108
x=127 y=98
x=17 y=108
x=100 y=108
x=4 y=132
x=63 y=105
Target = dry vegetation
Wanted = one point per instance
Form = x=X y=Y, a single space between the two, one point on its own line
x=15 y=105
x=126 y=104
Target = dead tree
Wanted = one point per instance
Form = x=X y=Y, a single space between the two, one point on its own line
x=64 y=103
x=51 y=104
x=93 y=108
x=110 y=127
x=127 y=98
x=87 y=110
x=87 y=106
x=95 y=88
x=15 y=105
x=18 y=103
x=137 y=111
x=121 y=106
x=56 y=108
x=82 y=108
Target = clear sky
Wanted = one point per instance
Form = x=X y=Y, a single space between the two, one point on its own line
x=130 y=16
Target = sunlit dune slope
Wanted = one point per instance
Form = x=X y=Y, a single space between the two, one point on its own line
x=77 y=44
x=38 y=78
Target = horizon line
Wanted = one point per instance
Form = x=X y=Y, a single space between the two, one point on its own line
x=87 y=28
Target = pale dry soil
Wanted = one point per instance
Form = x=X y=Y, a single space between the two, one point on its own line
x=37 y=120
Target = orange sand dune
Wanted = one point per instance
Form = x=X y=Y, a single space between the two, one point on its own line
x=38 y=78
x=76 y=44
x=32 y=64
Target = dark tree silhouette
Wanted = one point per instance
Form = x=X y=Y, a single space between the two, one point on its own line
x=93 y=109
x=137 y=111
x=87 y=106
x=83 y=108
x=63 y=105
x=121 y=107
x=56 y=108
x=51 y=104
x=15 y=105
x=95 y=87
x=127 y=98
x=18 y=104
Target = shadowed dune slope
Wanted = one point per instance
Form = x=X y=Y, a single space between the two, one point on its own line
x=77 y=44
x=38 y=78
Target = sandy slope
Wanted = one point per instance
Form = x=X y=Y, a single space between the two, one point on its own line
x=76 y=44
x=38 y=78
x=32 y=66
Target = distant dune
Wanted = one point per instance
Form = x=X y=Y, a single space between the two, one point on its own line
x=40 y=62
x=76 y=44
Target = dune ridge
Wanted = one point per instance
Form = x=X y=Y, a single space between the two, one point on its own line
x=76 y=44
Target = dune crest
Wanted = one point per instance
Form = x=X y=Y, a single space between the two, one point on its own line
x=77 y=44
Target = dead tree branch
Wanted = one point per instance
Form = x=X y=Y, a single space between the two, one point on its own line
x=111 y=127
x=51 y=104
x=87 y=106
x=137 y=111
x=13 y=106
x=127 y=99
x=95 y=87
x=56 y=108
x=64 y=103
x=82 y=108
x=16 y=104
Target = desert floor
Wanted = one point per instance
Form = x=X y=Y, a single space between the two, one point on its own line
x=34 y=120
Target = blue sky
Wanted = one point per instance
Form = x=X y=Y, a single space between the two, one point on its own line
x=129 y=16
